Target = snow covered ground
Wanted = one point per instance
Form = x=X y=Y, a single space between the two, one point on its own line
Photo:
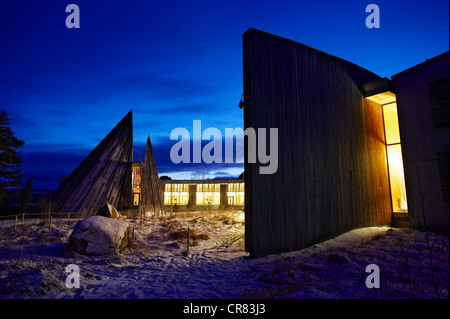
x=33 y=261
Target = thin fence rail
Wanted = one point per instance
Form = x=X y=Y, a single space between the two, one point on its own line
x=20 y=218
x=60 y=216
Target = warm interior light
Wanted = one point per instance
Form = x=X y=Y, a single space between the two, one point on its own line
x=235 y=194
x=383 y=98
x=397 y=179
x=387 y=100
x=208 y=198
x=391 y=123
x=394 y=156
x=208 y=194
x=176 y=194
x=136 y=184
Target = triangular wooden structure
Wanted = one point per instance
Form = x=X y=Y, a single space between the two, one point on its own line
x=102 y=178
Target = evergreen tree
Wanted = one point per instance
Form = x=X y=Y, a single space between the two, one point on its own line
x=10 y=161
x=27 y=195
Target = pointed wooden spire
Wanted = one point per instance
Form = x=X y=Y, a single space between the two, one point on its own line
x=152 y=200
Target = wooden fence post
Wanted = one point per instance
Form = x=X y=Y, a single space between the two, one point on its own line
x=188 y=240
x=23 y=218
x=15 y=222
x=50 y=226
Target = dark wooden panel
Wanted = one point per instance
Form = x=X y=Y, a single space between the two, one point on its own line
x=192 y=194
x=223 y=194
x=424 y=135
x=332 y=172
x=443 y=164
x=439 y=100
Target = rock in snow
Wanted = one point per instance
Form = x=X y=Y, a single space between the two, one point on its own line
x=98 y=235
x=109 y=211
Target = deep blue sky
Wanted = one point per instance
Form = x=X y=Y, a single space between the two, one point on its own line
x=173 y=62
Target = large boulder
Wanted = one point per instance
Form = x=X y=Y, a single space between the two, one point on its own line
x=108 y=211
x=99 y=236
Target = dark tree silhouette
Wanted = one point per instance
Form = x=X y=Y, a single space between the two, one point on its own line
x=10 y=161
x=27 y=195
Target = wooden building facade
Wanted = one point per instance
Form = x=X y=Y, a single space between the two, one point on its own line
x=152 y=201
x=332 y=163
x=423 y=108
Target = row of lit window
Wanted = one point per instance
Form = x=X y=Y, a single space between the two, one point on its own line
x=231 y=187
x=203 y=198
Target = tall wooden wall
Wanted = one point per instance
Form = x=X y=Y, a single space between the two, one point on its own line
x=332 y=173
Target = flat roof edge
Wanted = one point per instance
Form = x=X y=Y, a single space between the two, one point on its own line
x=437 y=57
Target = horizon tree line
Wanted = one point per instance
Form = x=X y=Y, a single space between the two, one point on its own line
x=12 y=198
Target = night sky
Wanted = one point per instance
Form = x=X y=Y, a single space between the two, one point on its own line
x=173 y=62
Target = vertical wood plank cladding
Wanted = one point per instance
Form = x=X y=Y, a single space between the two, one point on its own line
x=332 y=173
x=152 y=200
x=443 y=163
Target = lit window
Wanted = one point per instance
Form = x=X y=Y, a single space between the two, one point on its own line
x=208 y=194
x=394 y=156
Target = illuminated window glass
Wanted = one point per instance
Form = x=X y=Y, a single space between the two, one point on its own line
x=235 y=194
x=396 y=176
x=391 y=123
x=208 y=194
x=167 y=198
x=394 y=157
x=176 y=194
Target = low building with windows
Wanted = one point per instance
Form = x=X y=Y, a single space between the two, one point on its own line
x=198 y=193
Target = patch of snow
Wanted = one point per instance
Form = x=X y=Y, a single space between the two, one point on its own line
x=33 y=261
